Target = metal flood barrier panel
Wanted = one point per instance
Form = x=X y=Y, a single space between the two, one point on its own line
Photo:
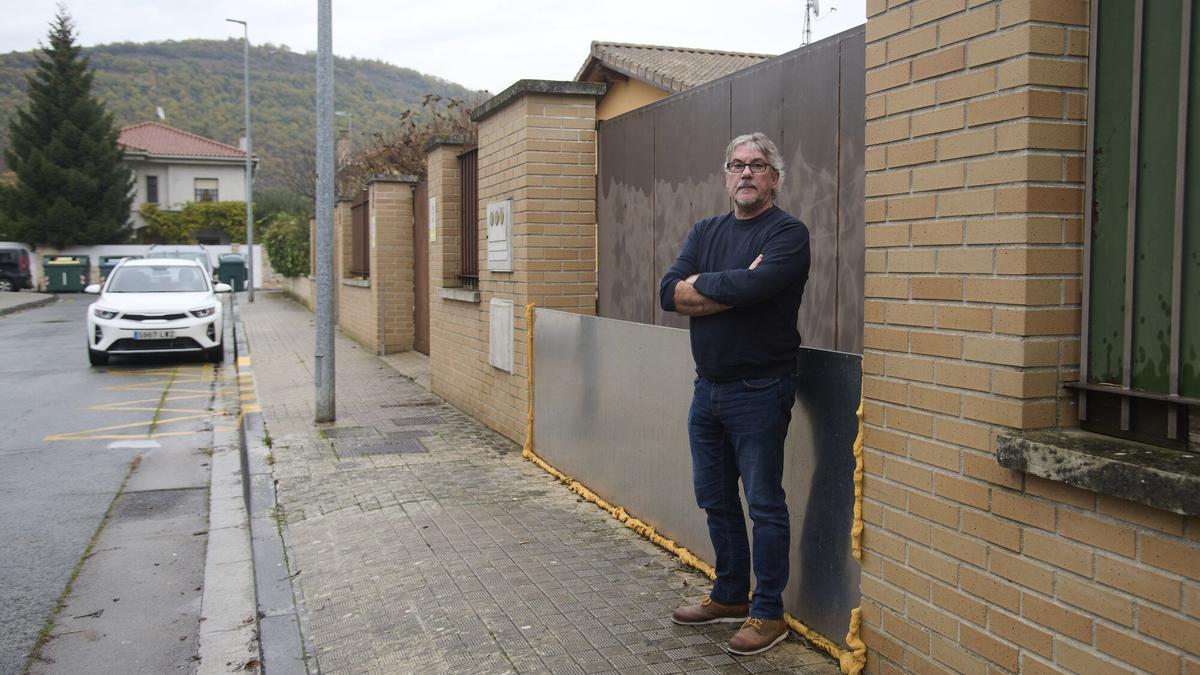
x=611 y=401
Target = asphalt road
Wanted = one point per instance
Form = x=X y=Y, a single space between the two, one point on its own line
x=130 y=440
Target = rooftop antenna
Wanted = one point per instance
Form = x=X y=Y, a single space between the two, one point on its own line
x=811 y=9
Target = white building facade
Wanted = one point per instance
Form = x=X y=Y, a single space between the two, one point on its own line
x=172 y=167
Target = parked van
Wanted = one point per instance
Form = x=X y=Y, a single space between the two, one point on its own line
x=16 y=270
x=195 y=252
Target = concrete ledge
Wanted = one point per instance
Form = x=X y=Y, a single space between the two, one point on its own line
x=393 y=178
x=228 y=639
x=524 y=87
x=446 y=139
x=1158 y=477
x=360 y=283
x=459 y=294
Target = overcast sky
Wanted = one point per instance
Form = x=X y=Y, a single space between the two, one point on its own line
x=480 y=44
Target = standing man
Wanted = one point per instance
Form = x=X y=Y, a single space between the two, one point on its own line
x=740 y=278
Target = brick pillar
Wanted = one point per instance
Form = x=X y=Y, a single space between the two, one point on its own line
x=975 y=151
x=445 y=189
x=391 y=253
x=537 y=147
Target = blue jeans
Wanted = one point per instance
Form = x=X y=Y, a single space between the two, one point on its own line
x=736 y=430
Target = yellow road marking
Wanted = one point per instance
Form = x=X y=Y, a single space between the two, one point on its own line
x=123 y=404
x=79 y=435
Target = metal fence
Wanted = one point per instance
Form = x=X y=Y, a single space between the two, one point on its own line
x=360 y=234
x=1140 y=357
x=660 y=171
x=468 y=166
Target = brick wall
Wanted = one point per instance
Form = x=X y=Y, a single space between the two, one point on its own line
x=976 y=121
x=537 y=146
x=355 y=311
x=458 y=342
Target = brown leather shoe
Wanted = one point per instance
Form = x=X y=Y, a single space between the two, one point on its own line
x=709 y=611
x=757 y=636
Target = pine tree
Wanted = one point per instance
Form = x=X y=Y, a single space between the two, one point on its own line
x=72 y=186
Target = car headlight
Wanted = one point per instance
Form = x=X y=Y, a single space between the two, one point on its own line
x=202 y=312
x=104 y=313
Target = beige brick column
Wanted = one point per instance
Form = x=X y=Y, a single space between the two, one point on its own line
x=445 y=189
x=537 y=146
x=391 y=254
x=975 y=157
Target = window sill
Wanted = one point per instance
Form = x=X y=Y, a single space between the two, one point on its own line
x=361 y=283
x=459 y=294
x=1158 y=477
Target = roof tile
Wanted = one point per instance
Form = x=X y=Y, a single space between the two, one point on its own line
x=674 y=69
x=156 y=138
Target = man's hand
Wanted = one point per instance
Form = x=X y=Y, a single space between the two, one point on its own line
x=690 y=302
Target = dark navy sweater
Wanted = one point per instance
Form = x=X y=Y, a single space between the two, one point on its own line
x=757 y=337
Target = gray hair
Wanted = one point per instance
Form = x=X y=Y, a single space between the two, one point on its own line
x=767 y=147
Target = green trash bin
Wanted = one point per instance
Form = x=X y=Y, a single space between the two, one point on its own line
x=108 y=262
x=231 y=269
x=66 y=273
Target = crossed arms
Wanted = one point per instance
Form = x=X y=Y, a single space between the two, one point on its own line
x=691 y=302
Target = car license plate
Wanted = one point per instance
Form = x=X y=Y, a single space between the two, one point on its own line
x=153 y=334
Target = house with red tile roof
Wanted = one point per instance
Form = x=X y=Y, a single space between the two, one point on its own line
x=173 y=167
x=638 y=75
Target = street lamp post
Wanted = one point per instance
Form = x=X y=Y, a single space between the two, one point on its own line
x=249 y=167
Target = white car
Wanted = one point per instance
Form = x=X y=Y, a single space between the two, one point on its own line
x=152 y=305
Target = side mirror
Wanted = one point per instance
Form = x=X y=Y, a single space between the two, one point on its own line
x=94 y=289
x=223 y=288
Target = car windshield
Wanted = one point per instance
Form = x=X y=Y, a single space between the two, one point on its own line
x=157 y=279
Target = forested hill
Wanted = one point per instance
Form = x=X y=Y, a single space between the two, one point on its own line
x=198 y=84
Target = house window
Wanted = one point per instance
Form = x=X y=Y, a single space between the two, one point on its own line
x=468 y=270
x=152 y=189
x=206 y=190
x=1140 y=355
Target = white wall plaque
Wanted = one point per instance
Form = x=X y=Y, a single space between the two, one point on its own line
x=432 y=219
x=500 y=334
x=499 y=236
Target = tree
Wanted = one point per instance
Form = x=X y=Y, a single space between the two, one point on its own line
x=287 y=244
x=72 y=186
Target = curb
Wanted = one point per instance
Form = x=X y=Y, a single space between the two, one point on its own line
x=40 y=302
x=228 y=618
x=279 y=623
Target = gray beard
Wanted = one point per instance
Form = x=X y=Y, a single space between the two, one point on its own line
x=750 y=204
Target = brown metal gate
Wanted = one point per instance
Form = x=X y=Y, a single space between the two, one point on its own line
x=360 y=234
x=660 y=171
x=421 y=268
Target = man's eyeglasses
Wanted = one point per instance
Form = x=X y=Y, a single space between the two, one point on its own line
x=757 y=166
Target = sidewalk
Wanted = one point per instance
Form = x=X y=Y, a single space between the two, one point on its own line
x=420 y=541
x=15 y=302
